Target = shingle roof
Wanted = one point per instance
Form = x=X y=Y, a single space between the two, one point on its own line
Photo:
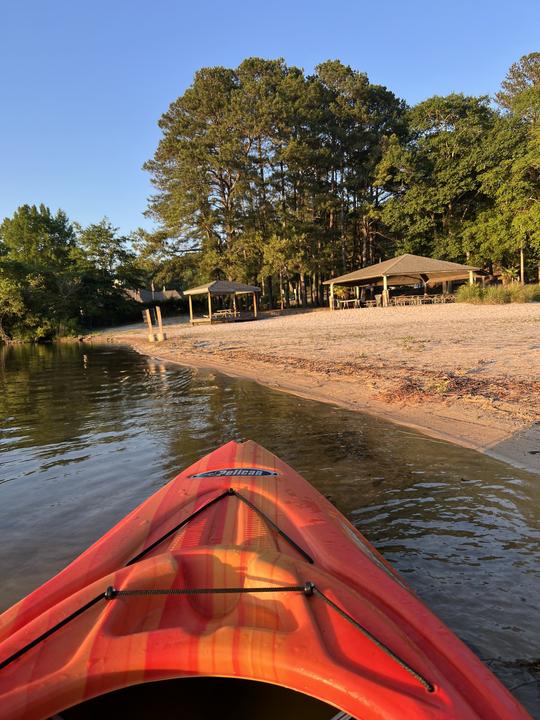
x=404 y=266
x=222 y=287
x=149 y=296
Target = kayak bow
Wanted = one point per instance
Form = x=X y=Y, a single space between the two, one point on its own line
x=238 y=574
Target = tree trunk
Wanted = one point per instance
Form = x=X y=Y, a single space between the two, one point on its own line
x=270 y=292
x=303 y=294
x=4 y=337
x=343 y=239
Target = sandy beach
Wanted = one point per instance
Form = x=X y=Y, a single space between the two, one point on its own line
x=469 y=374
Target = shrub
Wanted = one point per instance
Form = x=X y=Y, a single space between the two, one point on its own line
x=524 y=293
x=470 y=294
x=497 y=295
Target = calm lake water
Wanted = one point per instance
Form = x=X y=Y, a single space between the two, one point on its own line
x=88 y=432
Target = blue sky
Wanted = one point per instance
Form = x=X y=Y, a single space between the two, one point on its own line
x=83 y=84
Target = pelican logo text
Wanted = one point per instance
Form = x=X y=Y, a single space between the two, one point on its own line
x=234 y=472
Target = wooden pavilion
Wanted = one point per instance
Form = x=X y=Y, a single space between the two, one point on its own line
x=237 y=295
x=405 y=269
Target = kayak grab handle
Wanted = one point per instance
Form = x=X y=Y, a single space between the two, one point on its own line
x=111 y=593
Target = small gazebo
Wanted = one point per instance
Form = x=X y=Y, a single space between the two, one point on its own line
x=404 y=269
x=237 y=293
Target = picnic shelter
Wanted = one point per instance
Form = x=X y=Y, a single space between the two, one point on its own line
x=403 y=270
x=227 y=302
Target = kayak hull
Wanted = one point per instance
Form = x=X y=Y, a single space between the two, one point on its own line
x=243 y=530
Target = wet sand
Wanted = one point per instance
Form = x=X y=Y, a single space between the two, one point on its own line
x=464 y=373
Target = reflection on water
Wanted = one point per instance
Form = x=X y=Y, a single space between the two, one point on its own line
x=89 y=432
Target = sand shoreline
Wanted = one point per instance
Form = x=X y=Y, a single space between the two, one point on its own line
x=401 y=366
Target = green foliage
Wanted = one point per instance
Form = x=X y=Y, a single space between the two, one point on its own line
x=445 y=157
x=11 y=305
x=55 y=280
x=524 y=293
x=268 y=172
x=520 y=90
x=498 y=294
x=104 y=248
x=37 y=238
x=37 y=257
x=470 y=294
x=466 y=183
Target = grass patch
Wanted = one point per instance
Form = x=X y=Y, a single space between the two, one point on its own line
x=498 y=294
x=524 y=293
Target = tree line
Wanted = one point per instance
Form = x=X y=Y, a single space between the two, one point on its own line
x=57 y=278
x=267 y=175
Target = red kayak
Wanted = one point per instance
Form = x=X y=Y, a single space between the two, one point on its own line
x=238 y=584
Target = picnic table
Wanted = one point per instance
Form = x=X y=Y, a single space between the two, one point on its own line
x=344 y=304
x=225 y=314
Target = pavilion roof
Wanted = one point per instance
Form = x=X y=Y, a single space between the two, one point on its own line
x=222 y=287
x=405 y=269
x=146 y=297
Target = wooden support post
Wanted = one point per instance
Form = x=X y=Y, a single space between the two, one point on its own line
x=254 y=305
x=161 y=335
x=385 y=294
x=190 y=309
x=210 y=307
x=331 y=296
x=148 y=317
x=471 y=277
x=234 y=305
